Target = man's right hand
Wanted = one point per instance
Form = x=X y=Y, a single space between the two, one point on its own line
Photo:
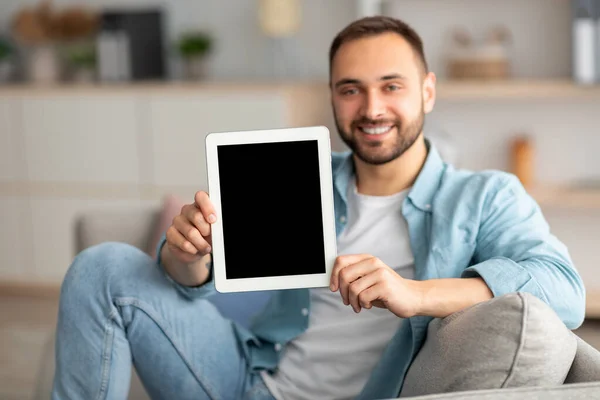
x=189 y=242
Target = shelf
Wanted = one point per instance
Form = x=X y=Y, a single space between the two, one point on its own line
x=159 y=87
x=446 y=90
x=566 y=197
x=515 y=89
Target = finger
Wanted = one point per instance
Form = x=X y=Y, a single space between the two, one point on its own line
x=353 y=272
x=182 y=255
x=191 y=234
x=371 y=296
x=358 y=286
x=342 y=262
x=176 y=240
x=196 y=218
x=206 y=206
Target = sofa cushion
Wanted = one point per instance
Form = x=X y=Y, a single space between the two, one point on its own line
x=580 y=391
x=170 y=208
x=125 y=225
x=514 y=340
x=586 y=366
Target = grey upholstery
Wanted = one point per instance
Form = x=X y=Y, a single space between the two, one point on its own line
x=586 y=366
x=515 y=340
x=579 y=391
x=133 y=226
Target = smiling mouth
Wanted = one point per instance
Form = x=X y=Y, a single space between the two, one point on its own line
x=375 y=130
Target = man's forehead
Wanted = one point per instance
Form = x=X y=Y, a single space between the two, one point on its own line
x=374 y=57
x=382 y=43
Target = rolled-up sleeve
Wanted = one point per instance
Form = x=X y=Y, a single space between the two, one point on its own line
x=516 y=252
x=191 y=293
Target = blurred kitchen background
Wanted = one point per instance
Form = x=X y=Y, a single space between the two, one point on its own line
x=105 y=105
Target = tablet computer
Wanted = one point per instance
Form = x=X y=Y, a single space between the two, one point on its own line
x=273 y=194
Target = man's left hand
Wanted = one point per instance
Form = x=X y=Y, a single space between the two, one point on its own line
x=365 y=281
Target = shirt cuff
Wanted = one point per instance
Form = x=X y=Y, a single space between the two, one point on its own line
x=503 y=275
x=197 y=292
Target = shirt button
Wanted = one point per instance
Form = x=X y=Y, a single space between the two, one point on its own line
x=343 y=219
x=305 y=311
x=428 y=206
x=277 y=346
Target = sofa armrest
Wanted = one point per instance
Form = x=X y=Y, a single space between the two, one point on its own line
x=133 y=226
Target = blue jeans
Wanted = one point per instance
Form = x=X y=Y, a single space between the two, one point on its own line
x=117 y=309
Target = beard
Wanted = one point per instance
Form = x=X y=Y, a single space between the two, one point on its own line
x=375 y=153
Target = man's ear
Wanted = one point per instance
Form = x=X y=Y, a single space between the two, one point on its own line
x=429 y=92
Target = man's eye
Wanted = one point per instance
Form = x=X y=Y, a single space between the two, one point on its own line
x=393 y=88
x=348 y=92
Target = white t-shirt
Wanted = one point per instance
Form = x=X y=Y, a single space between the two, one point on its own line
x=334 y=358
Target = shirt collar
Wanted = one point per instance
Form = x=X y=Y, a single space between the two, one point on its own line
x=428 y=180
x=424 y=188
x=342 y=175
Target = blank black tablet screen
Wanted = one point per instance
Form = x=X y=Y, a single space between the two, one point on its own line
x=271 y=209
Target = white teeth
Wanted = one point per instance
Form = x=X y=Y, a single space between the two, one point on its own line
x=376 y=131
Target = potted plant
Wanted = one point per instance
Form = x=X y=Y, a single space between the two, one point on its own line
x=81 y=61
x=42 y=29
x=6 y=52
x=193 y=48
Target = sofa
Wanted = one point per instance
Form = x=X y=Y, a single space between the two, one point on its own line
x=518 y=364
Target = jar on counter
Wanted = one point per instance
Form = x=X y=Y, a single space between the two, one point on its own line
x=522 y=162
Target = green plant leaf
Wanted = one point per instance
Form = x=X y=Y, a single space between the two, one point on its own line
x=6 y=49
x=194 y=44
x=81 y=55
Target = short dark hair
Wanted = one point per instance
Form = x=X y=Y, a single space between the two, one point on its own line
x=371 y=26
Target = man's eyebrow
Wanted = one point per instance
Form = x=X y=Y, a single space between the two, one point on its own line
x=351 y=81
x=391 y=77
x=347 y=81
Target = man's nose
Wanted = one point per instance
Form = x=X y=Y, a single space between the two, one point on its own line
x=374 y=107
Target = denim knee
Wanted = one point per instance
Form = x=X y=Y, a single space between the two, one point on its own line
x=94 y=267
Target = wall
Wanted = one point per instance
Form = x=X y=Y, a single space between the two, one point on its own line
x=540 y=28
x=241 y=51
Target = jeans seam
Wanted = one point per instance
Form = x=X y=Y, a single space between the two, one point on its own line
x=106 y=356
x=128 y=301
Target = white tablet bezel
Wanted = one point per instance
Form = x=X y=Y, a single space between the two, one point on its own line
x=321 y=135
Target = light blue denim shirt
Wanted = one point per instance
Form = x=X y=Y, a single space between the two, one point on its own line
x=461 y=224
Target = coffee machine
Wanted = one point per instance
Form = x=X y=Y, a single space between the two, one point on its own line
x=130 y=45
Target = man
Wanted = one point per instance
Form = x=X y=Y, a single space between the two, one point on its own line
x=417 y=240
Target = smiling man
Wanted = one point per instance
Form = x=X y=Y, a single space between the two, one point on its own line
x=381 y=90
x=417 y=239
